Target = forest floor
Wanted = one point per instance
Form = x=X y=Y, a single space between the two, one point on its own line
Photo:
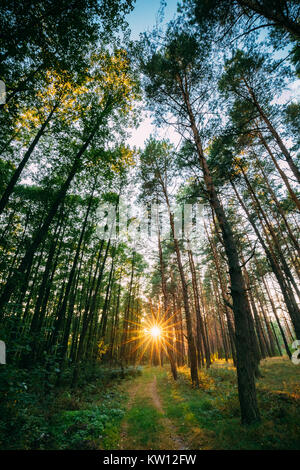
x=149 y=410
x=163 y=414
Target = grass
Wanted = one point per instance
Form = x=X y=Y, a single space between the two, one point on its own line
x=94 y=426
x=111 y=413
x=144 y=424
x=203 y=418
x=209 y=417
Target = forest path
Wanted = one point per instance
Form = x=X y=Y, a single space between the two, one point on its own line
x=166 y=415
x=146 y=425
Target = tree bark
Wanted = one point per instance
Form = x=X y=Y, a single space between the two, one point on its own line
x=241 y=309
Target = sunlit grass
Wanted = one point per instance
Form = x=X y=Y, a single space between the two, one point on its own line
x=209 y=417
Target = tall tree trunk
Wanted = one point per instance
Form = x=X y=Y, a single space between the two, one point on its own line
x=188 y=317
x=200 y=324
x=287 y=292
x=274 y=133
x=277 y=319
x=241 y=309
x=126 y=315
x=167 y=310
x=282 y=174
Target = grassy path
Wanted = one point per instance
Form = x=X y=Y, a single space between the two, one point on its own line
x=163 y=414
x=146 y=425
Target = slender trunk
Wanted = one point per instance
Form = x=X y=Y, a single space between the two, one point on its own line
x=10 y=187
x=224 y=295
x=280 y=210
x=188 y=317
x=241 y=309
x=277 y=320
x=62 y=310
x=39 y=236
x=287 y=292
x=282 y=174
x=126 y=315
x=200 y=324
x=261 y=213
x=167 y=310
x=104 y=316
x=274 y=133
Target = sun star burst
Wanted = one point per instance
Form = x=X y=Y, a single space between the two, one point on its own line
x=156 y=333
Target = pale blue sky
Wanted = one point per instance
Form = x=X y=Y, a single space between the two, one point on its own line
x=143 y=17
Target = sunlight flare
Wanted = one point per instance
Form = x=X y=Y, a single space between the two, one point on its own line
x=155 y=331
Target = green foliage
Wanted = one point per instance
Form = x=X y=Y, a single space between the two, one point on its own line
x=88 y=417
x=226 y=21
x=292 y=118
x=82 y=429
x=67 y=296
x=22 y=408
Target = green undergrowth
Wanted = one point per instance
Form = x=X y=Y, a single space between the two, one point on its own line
x=87 y=417
x=209 y=417
x=93 y=415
